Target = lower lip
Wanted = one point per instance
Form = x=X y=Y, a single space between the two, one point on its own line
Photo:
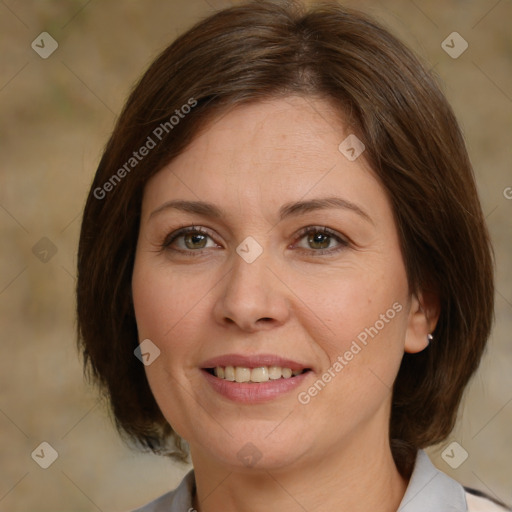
x=250 y=393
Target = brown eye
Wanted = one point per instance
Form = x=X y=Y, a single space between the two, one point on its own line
x=195 y=240
x=189 y=239
x=320 y=240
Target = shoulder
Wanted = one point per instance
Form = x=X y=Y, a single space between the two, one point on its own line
x=430 y=489
x=178 y=500
x=477 y=502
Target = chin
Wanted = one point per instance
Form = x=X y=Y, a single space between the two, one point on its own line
x=257 y=451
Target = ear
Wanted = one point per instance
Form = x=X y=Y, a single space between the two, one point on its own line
x=423 y=317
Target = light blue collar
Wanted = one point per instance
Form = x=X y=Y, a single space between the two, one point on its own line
x=432 y=490
x=429 y=490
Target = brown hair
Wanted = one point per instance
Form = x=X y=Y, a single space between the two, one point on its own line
x=261 y=50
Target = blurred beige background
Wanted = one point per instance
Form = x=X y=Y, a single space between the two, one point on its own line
x=56 y=115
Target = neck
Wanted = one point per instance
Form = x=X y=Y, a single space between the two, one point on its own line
x=356 y=477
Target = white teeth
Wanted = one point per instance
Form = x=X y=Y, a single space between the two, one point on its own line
x=274 y=372
x=242 y=374
x=261 y=374
x=287 y=373
x=229 y=373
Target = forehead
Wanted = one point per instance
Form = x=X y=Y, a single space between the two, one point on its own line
x=292 y=130
x=264 y=154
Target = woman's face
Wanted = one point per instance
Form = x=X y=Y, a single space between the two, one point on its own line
x=291 y=261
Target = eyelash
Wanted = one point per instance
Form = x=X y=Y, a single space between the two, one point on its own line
x=172 y=237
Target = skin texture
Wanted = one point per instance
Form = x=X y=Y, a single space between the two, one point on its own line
x=291 y=301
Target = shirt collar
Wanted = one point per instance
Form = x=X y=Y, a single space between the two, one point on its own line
x=429 y=490
x=432 y=490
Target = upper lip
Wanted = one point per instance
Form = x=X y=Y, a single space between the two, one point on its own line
x=253 y=361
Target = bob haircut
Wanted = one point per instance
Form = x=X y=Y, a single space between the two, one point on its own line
x=383 y=94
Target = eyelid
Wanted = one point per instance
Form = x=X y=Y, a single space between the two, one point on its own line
x=342 y=240
x=184 y=230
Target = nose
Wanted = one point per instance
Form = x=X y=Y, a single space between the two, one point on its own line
x=253 y=297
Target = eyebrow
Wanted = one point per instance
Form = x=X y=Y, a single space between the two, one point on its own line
x=291 y=209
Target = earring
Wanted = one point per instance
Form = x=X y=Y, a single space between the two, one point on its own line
x=430 y=337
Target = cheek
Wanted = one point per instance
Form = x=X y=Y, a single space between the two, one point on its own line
x=161 y=300
x=161 y=306
x=164 y=312
x=350 y=303
x=362 y=318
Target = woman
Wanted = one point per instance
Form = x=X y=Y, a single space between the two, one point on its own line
x=284 y=267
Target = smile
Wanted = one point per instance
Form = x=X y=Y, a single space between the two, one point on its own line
x=254 y=378
x=253 y=375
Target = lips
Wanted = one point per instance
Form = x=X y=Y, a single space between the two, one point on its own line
x=256 y=378
x=253 y=361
